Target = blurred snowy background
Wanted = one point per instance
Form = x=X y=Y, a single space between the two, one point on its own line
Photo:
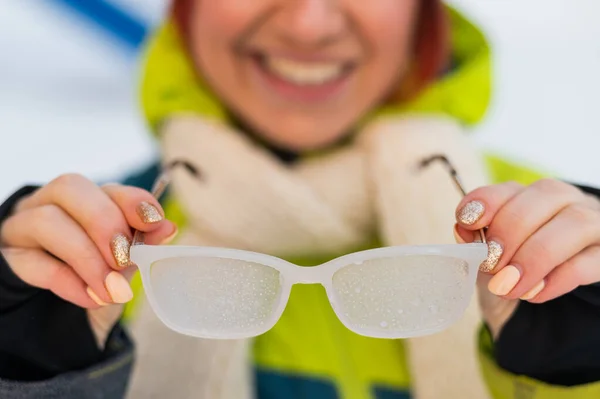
x=69 y=73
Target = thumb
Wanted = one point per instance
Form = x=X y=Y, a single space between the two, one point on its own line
x=163 y=235
x=496 y=311
x=103 y=319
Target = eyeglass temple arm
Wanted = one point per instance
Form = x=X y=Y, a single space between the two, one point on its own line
x=160 y=186
x=454 y=174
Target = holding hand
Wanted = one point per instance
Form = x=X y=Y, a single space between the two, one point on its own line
x=543 y=239
x=72 y=237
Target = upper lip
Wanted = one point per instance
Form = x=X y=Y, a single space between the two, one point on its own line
x=306 y=57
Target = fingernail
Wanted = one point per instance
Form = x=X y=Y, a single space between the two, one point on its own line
x=534 y=291
x=148 y=213
x=118 y=287
x=504 y=281
x=119 y=246
x=457 y=236
x=170 y=237
x=95 y=297
x=470 y=213
x=494 y=254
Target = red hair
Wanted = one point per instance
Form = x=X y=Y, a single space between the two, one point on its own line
x=431 y=49
x=181 y=11
x=430 y=54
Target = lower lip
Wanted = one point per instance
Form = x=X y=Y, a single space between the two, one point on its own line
x=290 y=91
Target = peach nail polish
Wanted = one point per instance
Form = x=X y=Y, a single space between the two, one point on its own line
x=504 y=281
x=118 y=287
x=470 y=213
x=148 y=213
x=119 y=246
x=532 y=293
x=95 y=297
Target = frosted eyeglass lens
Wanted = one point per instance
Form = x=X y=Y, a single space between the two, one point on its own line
x=403 y=294
x=215 y=295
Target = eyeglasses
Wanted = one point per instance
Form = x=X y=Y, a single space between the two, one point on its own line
x=389 y=292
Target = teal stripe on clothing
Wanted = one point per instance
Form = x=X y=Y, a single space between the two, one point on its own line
x=274 y=385
x=390 y=393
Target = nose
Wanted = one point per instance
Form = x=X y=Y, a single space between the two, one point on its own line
x=311 y=23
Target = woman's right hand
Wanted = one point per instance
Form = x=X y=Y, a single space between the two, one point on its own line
x=72 y=237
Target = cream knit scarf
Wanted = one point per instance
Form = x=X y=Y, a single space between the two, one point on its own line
x=329 y=203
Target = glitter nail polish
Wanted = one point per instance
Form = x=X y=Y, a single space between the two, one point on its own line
x=148 y=213
x=119 y=246
x=494 y=253
x=470 y=213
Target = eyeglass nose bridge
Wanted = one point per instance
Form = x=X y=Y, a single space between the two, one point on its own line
x=308 y=274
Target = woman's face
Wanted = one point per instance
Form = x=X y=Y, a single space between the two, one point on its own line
x=300 y=73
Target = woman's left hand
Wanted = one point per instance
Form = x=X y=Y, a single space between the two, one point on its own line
x=543 y=239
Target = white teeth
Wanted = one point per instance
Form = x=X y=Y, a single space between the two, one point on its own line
x=303 y=73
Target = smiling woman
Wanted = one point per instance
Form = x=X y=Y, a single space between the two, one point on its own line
x=312 y=67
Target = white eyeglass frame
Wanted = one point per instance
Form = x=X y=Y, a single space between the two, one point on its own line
x=145 y=255
x=290 y=274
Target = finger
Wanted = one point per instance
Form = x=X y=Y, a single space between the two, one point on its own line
x=163 y=235
x=49 y=228
x=496 y=311
x=464 y=236
x=39 y=269
x=550 y=246
x=478 y=208
x=582 y=269
x=157 y=237
x=99 y=216
x=141 y=210
x=523 y=214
